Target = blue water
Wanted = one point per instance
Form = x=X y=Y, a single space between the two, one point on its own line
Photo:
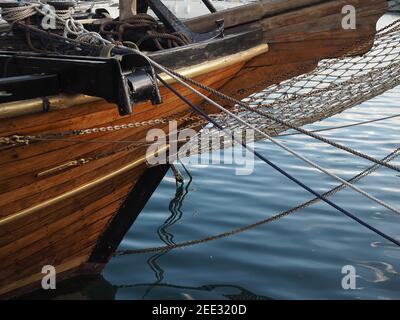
x=297 y=257
x=300 y=256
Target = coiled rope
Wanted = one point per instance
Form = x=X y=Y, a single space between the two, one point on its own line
x=153 y=30
x=15 y=14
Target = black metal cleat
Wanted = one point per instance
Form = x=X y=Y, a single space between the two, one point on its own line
x=125 y=81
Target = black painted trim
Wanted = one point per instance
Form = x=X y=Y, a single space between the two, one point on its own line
x=245 y=39
x=127 y=214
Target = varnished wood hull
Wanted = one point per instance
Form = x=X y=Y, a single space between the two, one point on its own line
x=73 y=219
x=48 y=226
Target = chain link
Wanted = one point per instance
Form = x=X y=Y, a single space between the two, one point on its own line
x=16 y=140
x=27 y=139
x=294 y=105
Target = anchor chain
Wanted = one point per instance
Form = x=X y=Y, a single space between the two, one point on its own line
x=16 y=139
x=27 y=139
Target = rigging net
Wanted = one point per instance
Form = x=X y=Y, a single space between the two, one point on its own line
x=333 y=87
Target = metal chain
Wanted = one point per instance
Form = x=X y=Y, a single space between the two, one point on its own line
x=132 y=125
x=27 y=139
x=20 y=139
x=83 y=161
x=15 y=140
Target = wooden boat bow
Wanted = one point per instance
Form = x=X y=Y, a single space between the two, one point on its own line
x=74 y=218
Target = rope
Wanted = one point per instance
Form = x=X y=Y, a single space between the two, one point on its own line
x=343 y=126
x=63 y=19
x=265 y=221
x=283 y=122
x=157 y=33
x=276 y=142
x=280 y=170
x=15 y=14
x=268 y=220
x=151 y=35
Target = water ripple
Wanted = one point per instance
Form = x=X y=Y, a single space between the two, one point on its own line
x=298 y=257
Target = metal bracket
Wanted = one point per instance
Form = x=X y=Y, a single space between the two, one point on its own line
x=125 y=81
x=175 y=25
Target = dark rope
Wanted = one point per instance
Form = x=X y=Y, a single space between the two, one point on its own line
x=280 y=170
x=268 y=220
x=153 y=35
x=283 y=122
x=153 y=31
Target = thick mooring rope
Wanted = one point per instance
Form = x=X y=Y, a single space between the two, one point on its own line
x=15 y=14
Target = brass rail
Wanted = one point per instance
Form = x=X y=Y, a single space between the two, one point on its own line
x=25 y=107
x=78 y=190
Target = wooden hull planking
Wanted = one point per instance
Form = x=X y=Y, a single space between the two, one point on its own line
x=67 y=218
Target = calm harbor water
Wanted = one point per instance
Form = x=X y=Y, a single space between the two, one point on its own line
x=300 y=256
x=297 y=257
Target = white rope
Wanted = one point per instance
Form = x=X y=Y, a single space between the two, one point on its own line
x=276 y=142
x=76 y=28
x=72 y=27
x=90 y=37
x=64 y=20
x=16 y=14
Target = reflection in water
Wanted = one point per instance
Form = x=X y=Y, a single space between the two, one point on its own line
x=79 y=288
x=165 y=236
x=98 y=288
x=224 y=291
x=231 y=292
x=380 y=271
